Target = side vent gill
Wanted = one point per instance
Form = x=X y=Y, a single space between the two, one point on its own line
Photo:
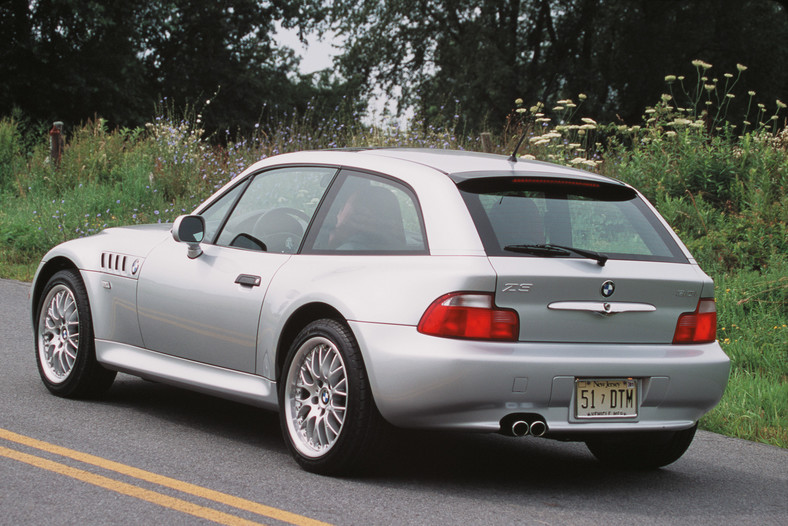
x=120 y=264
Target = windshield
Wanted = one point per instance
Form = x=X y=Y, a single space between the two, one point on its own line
x=513 y=214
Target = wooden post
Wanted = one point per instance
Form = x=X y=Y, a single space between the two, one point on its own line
x=487 y=146
x=56 y=143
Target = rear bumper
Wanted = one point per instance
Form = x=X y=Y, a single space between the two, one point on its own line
x=421 y=381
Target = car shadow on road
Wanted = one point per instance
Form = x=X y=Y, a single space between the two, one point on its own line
x=206 y=413
x=406 y=455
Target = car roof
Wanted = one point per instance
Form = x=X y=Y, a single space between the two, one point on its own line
x=463 y=165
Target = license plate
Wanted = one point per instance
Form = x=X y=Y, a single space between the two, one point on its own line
x=607 y=398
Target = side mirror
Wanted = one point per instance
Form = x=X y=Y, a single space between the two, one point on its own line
x=189 y=230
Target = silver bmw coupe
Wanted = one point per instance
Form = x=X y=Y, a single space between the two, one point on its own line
x=352 y=290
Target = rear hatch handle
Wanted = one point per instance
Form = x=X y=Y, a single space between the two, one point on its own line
x=602 y=308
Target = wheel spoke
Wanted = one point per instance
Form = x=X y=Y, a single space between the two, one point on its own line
x=317 y=396
x=58 y=333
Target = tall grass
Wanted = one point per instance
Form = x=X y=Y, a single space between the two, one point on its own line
x=722 y=186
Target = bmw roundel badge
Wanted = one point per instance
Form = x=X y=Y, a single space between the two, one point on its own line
x=608 y=288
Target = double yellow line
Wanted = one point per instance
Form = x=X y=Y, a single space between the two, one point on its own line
x=146 y=476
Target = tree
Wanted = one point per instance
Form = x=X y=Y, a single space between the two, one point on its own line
x=479 y=55
x=74 y=59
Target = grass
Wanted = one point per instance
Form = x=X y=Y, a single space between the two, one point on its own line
x=724 y=191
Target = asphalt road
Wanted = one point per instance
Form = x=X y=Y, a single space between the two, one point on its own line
x=151 y=454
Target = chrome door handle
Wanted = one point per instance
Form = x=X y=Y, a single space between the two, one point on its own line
x=248 y=280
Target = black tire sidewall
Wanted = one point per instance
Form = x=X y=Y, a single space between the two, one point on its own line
x=643 y=450
x=87 y=377
x=361 y=419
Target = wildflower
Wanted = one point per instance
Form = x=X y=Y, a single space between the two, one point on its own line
x=588 y=120
x=582 y=96
x=665 y=97
x=520 y=110
x=728 y=76
x=518 y=101
x=670 y=79
x=700 y=64
x=709 y=87
x=670 y=133
x=741 y=67
x=780 y=104
x=751 y=93
x=558 y=108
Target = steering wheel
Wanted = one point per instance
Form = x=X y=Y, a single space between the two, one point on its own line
x=280 y=230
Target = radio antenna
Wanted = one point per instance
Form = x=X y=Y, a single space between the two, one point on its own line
x=513 y=158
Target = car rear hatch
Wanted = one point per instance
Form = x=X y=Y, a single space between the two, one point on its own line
x=582 y=260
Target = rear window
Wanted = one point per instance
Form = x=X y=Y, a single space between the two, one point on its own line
x=610 y=219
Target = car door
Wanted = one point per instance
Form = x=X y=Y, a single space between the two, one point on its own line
x=207 y=309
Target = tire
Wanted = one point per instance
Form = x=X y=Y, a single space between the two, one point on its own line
x=65 y=346
x=328 y=416
x=642 y=450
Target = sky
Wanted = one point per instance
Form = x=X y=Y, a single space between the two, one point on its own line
x=317 y=54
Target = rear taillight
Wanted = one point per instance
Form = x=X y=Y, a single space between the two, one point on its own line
x=471 y=316
x=699 y=326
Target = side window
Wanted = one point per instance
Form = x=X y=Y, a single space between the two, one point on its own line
x=218 y=211
x=275 y=209
x=369 y=215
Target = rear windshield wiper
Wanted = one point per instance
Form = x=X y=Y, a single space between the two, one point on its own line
x=551 y=250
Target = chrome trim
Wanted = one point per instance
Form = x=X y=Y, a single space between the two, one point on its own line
x=602 y=307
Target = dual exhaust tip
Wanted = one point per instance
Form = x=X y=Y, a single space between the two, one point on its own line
x=521 y=428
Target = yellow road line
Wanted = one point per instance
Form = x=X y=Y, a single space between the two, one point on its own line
x=128 y=489
x=185 y=487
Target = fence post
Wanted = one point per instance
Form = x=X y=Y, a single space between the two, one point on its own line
x=56 y=143
x=487 y=146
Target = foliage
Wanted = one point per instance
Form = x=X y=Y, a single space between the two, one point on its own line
x=435 y=55
x=74 y=60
